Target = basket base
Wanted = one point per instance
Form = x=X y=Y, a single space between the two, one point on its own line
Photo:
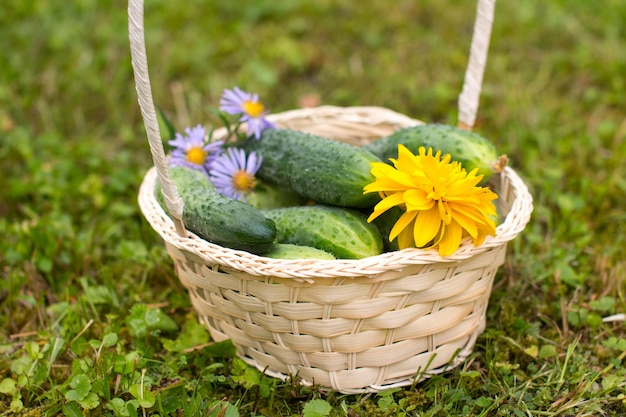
x=326 y=381
x=424 y=339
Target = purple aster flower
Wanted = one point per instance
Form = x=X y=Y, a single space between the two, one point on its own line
x=193 y=151
x=233 y=173
x=252 y=111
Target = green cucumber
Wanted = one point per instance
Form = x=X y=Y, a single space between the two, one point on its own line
x=269 y=195
x=343 y=232
x=469 y=148
x=324 y=170
x=219 y=219
x=291 y=251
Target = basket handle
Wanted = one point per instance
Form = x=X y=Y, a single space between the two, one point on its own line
x=173 y=201
x=468 y=99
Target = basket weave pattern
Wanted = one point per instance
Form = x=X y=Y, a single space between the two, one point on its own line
x=349 y=325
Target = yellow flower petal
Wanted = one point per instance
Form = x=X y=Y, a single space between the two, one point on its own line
x=389 y=201
x=467 y=224
x=387 y=174
x=407 y=162
x=417 y=200
x=405 y=238
x=385 y=204
x=403 y=222
x=427 y=226
x=472 y=212
x=444 y=211
x=480 y=238
x=451 y=239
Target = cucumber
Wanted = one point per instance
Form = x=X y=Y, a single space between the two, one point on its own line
x=343 y=232
x=219 y=219
x=290 y=251
x=269 y=195
x=469 y=148
x=324 y=170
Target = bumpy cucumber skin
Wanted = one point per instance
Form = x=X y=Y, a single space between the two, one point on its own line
x=219 y=219
x=270 y=195
x=291 y=251
x=343 y=232
x=324 y=170
x=469 y=148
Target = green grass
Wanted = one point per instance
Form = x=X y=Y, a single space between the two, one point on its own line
x=93 y=318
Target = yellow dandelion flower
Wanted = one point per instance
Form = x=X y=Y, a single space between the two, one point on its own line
x=442 y=202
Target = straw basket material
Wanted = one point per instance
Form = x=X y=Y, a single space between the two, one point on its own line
x=347 y=325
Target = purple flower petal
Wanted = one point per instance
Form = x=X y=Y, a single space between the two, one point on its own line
x=234 y=102
x=194 y=140
x=234 y=162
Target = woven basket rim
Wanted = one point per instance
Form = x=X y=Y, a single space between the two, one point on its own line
x=306 y=270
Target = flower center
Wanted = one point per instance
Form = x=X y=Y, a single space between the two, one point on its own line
x=243 y=181
x=253 y=108
x=436 y=194
x=196 y=155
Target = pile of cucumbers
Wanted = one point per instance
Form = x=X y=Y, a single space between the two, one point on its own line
x=324 y=212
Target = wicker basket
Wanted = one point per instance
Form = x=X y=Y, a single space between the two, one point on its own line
x=347 y=325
